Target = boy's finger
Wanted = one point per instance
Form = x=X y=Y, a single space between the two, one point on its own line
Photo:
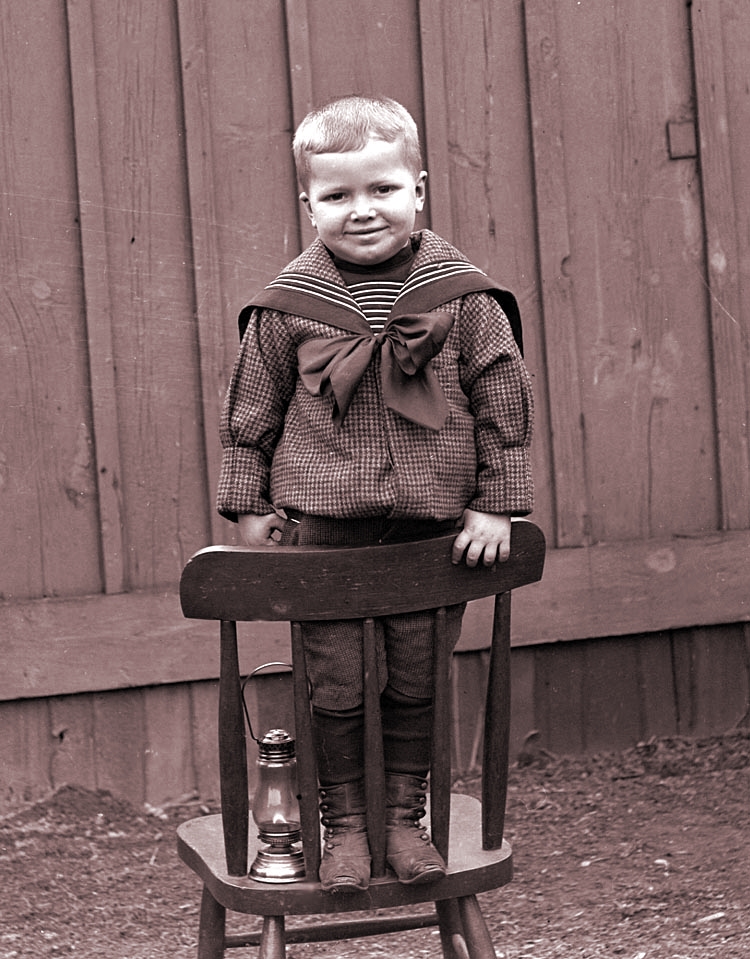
x=474 y=553
x=459 y=546
x=490 y=554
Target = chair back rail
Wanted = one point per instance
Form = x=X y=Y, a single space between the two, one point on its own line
x=297 y=583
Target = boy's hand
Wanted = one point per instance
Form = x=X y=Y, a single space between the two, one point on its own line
x=487 y=533
x=259 y=530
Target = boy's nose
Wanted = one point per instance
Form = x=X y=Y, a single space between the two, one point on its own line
x=363 y=209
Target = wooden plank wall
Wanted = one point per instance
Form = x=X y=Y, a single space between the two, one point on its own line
x=590 y=156
x=157 y=744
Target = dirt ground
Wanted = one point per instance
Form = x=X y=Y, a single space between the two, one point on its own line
x=641 y=854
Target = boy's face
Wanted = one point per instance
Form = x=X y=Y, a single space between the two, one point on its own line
x=363 y=203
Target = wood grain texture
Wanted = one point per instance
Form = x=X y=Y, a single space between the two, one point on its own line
x=201 y=170
x=682 y=682
x=49 y=528
x=120 y=742
x=729 y=324
x=103 y=642
x=634 y=274
x=436 y=141
x=147 y=201
x=148 y=244
x=281 y=583
x=638 y=587
x=142 y=638
x=168 y=757
x=91 y=213
x=553 y=232
x=477 y=125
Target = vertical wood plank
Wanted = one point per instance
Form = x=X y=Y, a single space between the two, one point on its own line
x=728 y=328
x=154 y=332
x=300 y=84
x=611 y=715
x=255 y=194
x=96 y=279
x=119 y=743
x=72 y=730
x=469 y=684
x=658 y=714
x=469 y=678
x=553 y=233
x=366 y=49
x=204 y=700
x=711 y=676
x=558 y=695
x=300 y=62
x=25 y=752
x=479 y=147
x=168 y=764
x=631 y=224
x=522 y=706
x=435 y=103
x=201 y=170
x=49 y=523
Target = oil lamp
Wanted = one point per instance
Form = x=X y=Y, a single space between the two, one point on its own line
x=275 y=807
x=276 y=811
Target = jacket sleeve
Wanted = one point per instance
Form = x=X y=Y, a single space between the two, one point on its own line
x=498 y=386
x=252 y=418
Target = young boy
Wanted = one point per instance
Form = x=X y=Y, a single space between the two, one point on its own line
x=379 y=395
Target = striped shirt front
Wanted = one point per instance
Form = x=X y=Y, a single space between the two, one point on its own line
x=376 y=288
x=376 y=299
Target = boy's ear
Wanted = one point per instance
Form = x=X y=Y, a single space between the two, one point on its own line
x=305 y=200
x=421 y=189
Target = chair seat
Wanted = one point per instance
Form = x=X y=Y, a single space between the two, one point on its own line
x=471 y=870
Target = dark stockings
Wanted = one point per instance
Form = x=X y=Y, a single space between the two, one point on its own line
x=406 y=738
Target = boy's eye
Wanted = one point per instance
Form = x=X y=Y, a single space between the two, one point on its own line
x=385 y=188
x=334 y=197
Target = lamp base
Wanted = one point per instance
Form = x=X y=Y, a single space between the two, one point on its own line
x=285 y=864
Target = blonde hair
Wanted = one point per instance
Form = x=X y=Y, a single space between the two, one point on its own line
x=348 y=123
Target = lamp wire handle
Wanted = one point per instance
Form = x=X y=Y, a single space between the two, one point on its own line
x=244 y=683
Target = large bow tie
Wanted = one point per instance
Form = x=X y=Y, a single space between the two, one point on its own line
x=407 y=344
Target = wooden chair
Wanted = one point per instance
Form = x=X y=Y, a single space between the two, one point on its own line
x=232 y=585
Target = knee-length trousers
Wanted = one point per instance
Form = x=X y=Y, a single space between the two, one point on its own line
x=333 y=650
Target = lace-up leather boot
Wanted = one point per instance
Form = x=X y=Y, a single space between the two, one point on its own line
x=345 y=863
x=409 y=851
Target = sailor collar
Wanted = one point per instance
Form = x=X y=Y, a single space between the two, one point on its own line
x=312 y=287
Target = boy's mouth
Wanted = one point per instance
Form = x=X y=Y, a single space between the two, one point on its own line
x=368 y=232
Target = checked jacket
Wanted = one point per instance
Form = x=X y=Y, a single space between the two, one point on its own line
x=282 y=447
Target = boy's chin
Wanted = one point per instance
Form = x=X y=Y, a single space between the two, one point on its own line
x=366 y=254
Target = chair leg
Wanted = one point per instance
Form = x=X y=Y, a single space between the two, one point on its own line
x=273 y=939
x=476 y=932
x=211 y=928
x=451 y=930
